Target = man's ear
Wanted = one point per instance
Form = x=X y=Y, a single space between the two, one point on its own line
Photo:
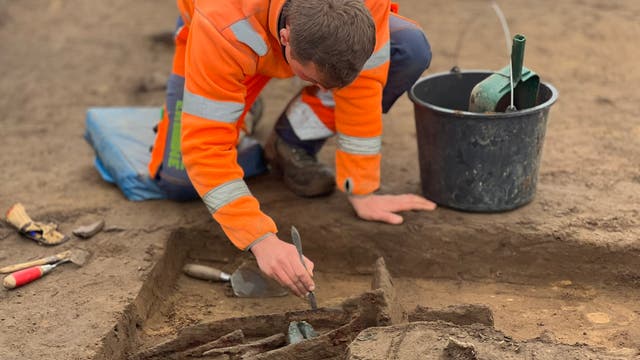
x=284 y=36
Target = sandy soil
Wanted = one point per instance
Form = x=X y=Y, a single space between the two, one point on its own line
x=61 y=57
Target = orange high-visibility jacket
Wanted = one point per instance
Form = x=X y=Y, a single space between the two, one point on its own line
x=232 y=47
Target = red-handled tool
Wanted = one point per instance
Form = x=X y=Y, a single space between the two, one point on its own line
x=25 y=276
x=28 y=275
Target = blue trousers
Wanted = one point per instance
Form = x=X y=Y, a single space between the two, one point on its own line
x=410 y=56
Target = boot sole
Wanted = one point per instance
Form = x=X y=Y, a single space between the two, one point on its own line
x=304 y=191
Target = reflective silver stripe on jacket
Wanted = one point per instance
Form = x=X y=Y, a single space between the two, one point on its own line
x=379 y=57
x=224 y=194
x=225 y=111
x=305 y=123
x=326 y=98
x=359 y=145
x=245 y=33
x=256 y=241
x=177 y=32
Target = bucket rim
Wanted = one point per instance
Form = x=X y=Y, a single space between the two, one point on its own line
x=537 y=108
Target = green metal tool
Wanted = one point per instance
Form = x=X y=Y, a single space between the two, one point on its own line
x=493 y=94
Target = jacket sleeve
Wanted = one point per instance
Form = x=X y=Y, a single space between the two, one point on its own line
x=214 y=100
x=358 y=114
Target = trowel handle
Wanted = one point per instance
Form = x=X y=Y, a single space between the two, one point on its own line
x=517 y=56
x=26 y=276
x=48 y=260
x=205 y=272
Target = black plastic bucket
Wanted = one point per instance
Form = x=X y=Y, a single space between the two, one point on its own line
x=476 y=162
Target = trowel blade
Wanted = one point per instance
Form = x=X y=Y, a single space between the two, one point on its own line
x=79 y=256
x=249 y=282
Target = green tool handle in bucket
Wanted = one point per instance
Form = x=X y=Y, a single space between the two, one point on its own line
x=517 y=57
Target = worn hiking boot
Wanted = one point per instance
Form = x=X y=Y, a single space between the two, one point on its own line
x=302 y=173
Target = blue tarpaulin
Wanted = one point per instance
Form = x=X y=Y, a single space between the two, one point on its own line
x=122 y=138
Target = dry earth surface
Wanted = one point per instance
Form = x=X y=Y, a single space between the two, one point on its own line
x=566 y=263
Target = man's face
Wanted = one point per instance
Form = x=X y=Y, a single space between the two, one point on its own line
x=306 y=72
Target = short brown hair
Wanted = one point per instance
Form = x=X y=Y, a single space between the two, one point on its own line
x=337 y=36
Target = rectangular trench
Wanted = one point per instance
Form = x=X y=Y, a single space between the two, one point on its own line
x=439 y=264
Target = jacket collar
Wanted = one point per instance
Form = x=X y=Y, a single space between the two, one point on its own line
x=275 y=9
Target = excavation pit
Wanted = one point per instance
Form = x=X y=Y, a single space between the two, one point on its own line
x=175 y=316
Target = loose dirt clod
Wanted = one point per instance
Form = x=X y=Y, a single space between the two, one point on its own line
x=458 y=350
x=87 y=231
x=547 y=336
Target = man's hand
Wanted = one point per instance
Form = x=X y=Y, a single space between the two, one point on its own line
x=280 y=261
x=384 y=207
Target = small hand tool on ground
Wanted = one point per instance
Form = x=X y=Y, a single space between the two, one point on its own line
x=247 y=281
x=25 y=276
x=46 y=234
x=295 y=236
x=73 y=255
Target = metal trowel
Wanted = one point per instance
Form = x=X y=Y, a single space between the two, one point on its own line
x=493 y=94
x=246 y=282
